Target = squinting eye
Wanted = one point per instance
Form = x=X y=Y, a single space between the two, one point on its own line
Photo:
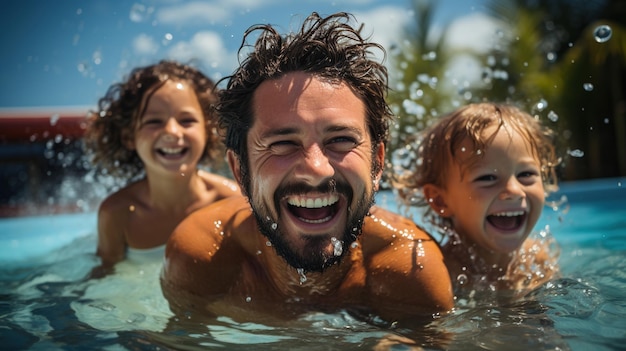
x=283 y=147
x=527 y=174
x=486 y=178
x=152 y=121
x=342 y=144
x=188 y=121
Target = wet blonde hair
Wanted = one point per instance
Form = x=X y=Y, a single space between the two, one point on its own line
x=431 y=154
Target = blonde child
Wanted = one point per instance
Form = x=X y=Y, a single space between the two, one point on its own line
x=154 y=129
x=482 y=174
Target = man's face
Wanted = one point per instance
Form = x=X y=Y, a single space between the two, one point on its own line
x=310 y=168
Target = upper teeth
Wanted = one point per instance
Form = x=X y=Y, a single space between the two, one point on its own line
x=509 y=214
x=168 y=150
x=302 y=201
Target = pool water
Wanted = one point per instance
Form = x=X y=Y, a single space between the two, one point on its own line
x=48 y=301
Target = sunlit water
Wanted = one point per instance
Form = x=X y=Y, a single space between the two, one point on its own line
x=49 y=303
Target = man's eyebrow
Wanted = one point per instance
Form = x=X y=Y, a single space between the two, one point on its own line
x=279 y=132
x=292 y=130
x=342 y=128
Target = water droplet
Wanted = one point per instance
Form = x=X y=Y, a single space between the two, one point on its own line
x=97 y=57
x=430 y=56
x=274 y=226
x=167 y=39
x=137 y=13
x=553 y=116
x=588 y=86
x=602 y=33
x=248 y=299
x=541 y=105
x=337 y=246
x=461 y=279
x=54 y=119
x=576 y=153
x=302 y=275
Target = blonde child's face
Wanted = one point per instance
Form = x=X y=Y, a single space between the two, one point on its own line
x=496 y=202
x=170 y=136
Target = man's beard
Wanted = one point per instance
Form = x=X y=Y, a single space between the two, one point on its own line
x=315 y=257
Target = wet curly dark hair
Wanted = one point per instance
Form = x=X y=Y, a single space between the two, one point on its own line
x=120 y=110
x=328 y=48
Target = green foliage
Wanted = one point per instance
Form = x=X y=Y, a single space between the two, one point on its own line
x=546 y=60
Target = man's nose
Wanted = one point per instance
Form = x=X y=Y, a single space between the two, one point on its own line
x=315 y=167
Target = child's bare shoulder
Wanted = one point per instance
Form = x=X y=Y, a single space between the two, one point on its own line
x=223 y=185
x=123 y=200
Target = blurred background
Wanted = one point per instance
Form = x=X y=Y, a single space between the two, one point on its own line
x=563 y=61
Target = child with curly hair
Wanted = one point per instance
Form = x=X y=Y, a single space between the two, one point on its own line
x=154 y=129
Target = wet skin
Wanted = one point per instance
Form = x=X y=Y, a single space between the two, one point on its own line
x=311 y=167
x=311 y=157
x=496 y=202
x=170 y=138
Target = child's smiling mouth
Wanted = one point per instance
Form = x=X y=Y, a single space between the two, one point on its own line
x=507 y=221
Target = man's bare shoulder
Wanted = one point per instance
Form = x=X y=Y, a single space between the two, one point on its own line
x=203 y=254
x=217 y=219
x=384 y=226
x=397 y=253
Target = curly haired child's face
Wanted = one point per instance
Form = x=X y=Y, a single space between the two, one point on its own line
x=495 y=202
x=170 y=136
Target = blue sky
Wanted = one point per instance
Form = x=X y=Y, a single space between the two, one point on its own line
x=67 y=53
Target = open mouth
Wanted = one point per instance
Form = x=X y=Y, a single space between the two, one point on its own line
x=172 y=152
x=313 y=210
x=507 y=221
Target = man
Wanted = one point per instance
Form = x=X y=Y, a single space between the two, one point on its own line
x=306 y=123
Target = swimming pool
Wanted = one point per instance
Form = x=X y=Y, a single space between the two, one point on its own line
x=49 y=303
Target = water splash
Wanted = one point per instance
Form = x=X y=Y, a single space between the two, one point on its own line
x=337 y=246
x=302 y=275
